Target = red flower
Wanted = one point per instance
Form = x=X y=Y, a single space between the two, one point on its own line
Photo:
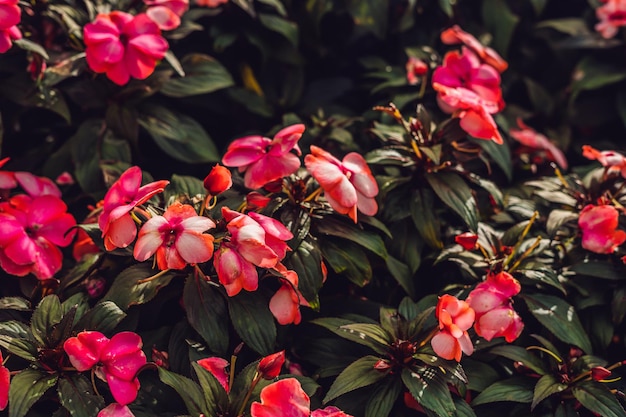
x=456 y=35
x=599 y=228
x=218 y=180
x=217 y=367
x=415 y=68
x=269 y=367
x=348 y=185
x=613 y=161
x=255 y=200
x=467 y=240
x=5 y=382
x=166 y=13
x=612 y=16
x=455 y=317
x=123 y=46
x=210 y=3
x=598 y=373
x=284 y=398
x=7 y=178
x=177 y=238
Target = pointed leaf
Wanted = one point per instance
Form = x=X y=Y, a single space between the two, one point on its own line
x=358 y=374
x=425 y=219
x=103 y=317
x=48 y=313
x=202 y=74
x=546 y=386
x=519 y=354
x=369 y=240
x=14 y=303
x=429 y=389
x=26 y=388
x=215 y=397
x=77 y=396
x=515 y=389
x=188 y=390
x=456 y=194
x=383 y=398
x=21 y=347
x=348 y=259
x=253 y=321
x=597 y=398
x=128 y=289
x=346 y=328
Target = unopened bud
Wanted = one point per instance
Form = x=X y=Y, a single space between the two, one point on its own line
x=270 y=366
x=598 y=373
x=467 y=240
x=218 y=180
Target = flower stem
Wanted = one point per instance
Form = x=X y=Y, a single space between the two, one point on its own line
x=255 y=380
x=153 y=277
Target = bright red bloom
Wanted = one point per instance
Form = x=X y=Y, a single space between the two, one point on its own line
x=166 y=13
x=263 y=159
x=467 y=240
x=269 y=367
x=599 y=228
x=474 y=112
x=415 y=68
x=348 y=185
x=218 y=180
x=612 y=16
x=218 y=368
x=455 y=317
x=118 y=227
x=456 y=35
x=123 y=46
x=118 y=360
x=285 y=303
x=613 y=161
x=255 y=200
x=177 y=238
x=5 y=382
x=283 y=398
x=530 y=138
x=32 y=228
x=116 y=410
x=329 y=412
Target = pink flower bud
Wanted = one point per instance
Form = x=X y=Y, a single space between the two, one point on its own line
x=270 y=366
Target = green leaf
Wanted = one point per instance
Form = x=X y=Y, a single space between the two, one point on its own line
x=592 y=74
x=14 y=328
x=203 y=74
x=184 y=185
x=31 y=46
x=253 y=321
x=122 y=120
x=348 y=259
x=456 y=194
x=77 y=396
x=282 y=26
x=21 y=347
x=558 y=218
x=560 y=318
x=446 y=7
x=103 y=317
x=203 y=300
x=596 y=397
x=501 y=22
x=402 y=274
x=382 y=400
x=174 y=63
x=26 y=388
x=600 y=269
x=84 y=146
x=501 y=155
x=429 y=389
x=425 y=219
x=463 y=409
x=376 y=339
x=14 y=303
x=369 y=240
x=370 y=15
x=215 y=397
x=188 y=390
x=519 y=354
x=358 y=374
x=306 y=260
x=178 y=135
x=86 y=265
x=546 y=386
x=515 y=389
x=573 y=26
x=48 y=313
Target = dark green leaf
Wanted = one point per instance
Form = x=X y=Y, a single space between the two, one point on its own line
x=546 y=386
x=203 y=74
x=501 y=155
x=488 y=186
x=370 y=15
x=15 y=329
x=14 y=303
x=463 y=409
x=188 y=390
x=618 y=305
x=85 y=266
x=573 y=26
x=596 y=397
x=425 y=219
x=515 y=389
x=378 y=341
x=21 y=347
x=174 y=63
x=253 y=321
x=103 y=317
x=306 y=260
x=600 y=269
x=184 y=185
x=456 y=194
x=383 y=398
x=87 y=164
x=592 y=74
x=31 y=46
x=519 y=354
x=560 y=318
x=26 y=388
x=446 y=7
x=282 y=26
x=558 y=218
x=402 y=274
x=369 y=240
x=501 y=22
x=429 y=389
x=215 y=397
x=47 y=314
x=123 y=121
x=348 y=259
x=358 y=374
x=77 y=396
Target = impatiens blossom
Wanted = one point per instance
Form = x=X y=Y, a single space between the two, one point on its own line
x=599 y=228
x=218 y=180
x=7 y=36
x=348 y=184
x=116 y=223
x=269 y=366
x=177 y=238
x=37 y=186
x=116 y=410
x=474 y=112
x=284 y=398
x=415 y=68
x=455 y=318
x=329 y=412
x=218 y=368
x=123 y=46
x=263 y=159
x=613 y=161
x=234 y=271
x=611 y=16
x=530 y=138
x=455 y=35
x=32 y=230
x=491 y=301
x=5 y=381
x=166 y=13
x=10 y=15
x=285 y=303
x=117 y=360
x=210 y=3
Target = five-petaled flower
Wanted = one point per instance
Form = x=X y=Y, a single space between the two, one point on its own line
x=599 y=228
x=263 y=159
x=455 y=317
x=177 y=238
x=282 y=398
x=123 y=46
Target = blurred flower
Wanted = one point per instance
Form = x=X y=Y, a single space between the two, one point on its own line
x=613 y=161
x=115 y=410
x=32 y=228
x=329 y=412
x=269 y=367
x=177 y=238
x=263 y=159
x=599 y=228
x=611 y=16
x=218 y=368
x=123 y=46
x=7 y=178
x=455 y=317
x=37 y=186
x=7 y=36
x=285 y=303
x=65 y=178
x=218 y=180
x=166 y=13
x=95 y=287
x=467 y=240
x=5 y=382
x=456 y=35
x=116 y=223
x=10 y=16
x=530 y=138
x=210 y=3
x=474 y=112
x=415 y=68
x=348 y=185
x=282 y=398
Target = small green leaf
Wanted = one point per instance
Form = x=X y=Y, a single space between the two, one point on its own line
x=103 y=317
x=463 y=409
x=341 y=327
x=592 y=74
x=383 y=398
x=306 y=260
x=519 y=354
x=500 y=21
x=358 y=374
x=77 y=396
x=402 y=274
x=26 y=388
x=456 y=194
x=253 y=321
x=546 y=386
x=31 y=46
x=501 y=155
x=597 y=398
x=48 y=313
x=184 y=185
x=429 y=389
x=600 y=269
x=203 y=74
x=188 y=390
x=446 y=7
x=425 y=219
x=370 y=15
x=558 y=218
x=14 y=328
x=573 y=26
x=515 y=389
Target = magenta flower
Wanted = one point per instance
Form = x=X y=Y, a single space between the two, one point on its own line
x=281 y=399
x=116 y=223
x=456 y=35
x=10 y=15
x=611 y=16
x=7 y=36
x=264 y=160
x=329 y=412
x=32 y=228
x=37 y=186
x=116 y=410
x=177 y=238
x=530 y=138
x=599 y=228
x=455 y=317
x=5 y=382
x=348 y=185
x=7 y=178
x=117 y=360
x=166 y=13
x=218 y=368
x=123 y=46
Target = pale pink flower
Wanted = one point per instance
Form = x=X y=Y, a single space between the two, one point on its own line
x=37 y=186
x=285 y=303
x=264 y=160
x=455 y=317
x=116 y=223
x=501 y=321
x=116 y=410
x=166 y=13
x=348 y=185
x=415 y=69
x=32 y=228
x=123 y=46
x=613 y=161
x=177 y=238
x=456 y=35
x=612 y=16
x=599 y=229
x=283 y=398
x=218 y=368
x=530 y=138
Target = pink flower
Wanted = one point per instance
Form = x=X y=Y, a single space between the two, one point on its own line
x=613 y=161
x=166 y=13
x=10 y=16
x=115 y=410
x=118 y=227
x=285 y=303
x=177 y=238
x=269 y=367
x=210 y=3
x=348 y=185
x=456 y=35
x=218 y=180
x=218 y=368
x=501 y=321
x=612 y=16
x=123 y=46
x=118 y=360
x=455 y=317
x=32 y=228
x=530 y=138
x=5 y=382
x=329 y=412
x=234 y=272
x=598 y=373
x=255 y=200
x=65 y=178
x=264 y=160
x=7 y=178
x=415 y=68
x=7 y=36
x=474 y=112
x=599 y=228
x=283 y=398
x=37 y=186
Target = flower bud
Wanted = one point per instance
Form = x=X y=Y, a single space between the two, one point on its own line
x=467 y=240
x=270 y=366
x=382 y=365
x=415 y=68
x=218 y=180
x=598 y=373
x=255 y=200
